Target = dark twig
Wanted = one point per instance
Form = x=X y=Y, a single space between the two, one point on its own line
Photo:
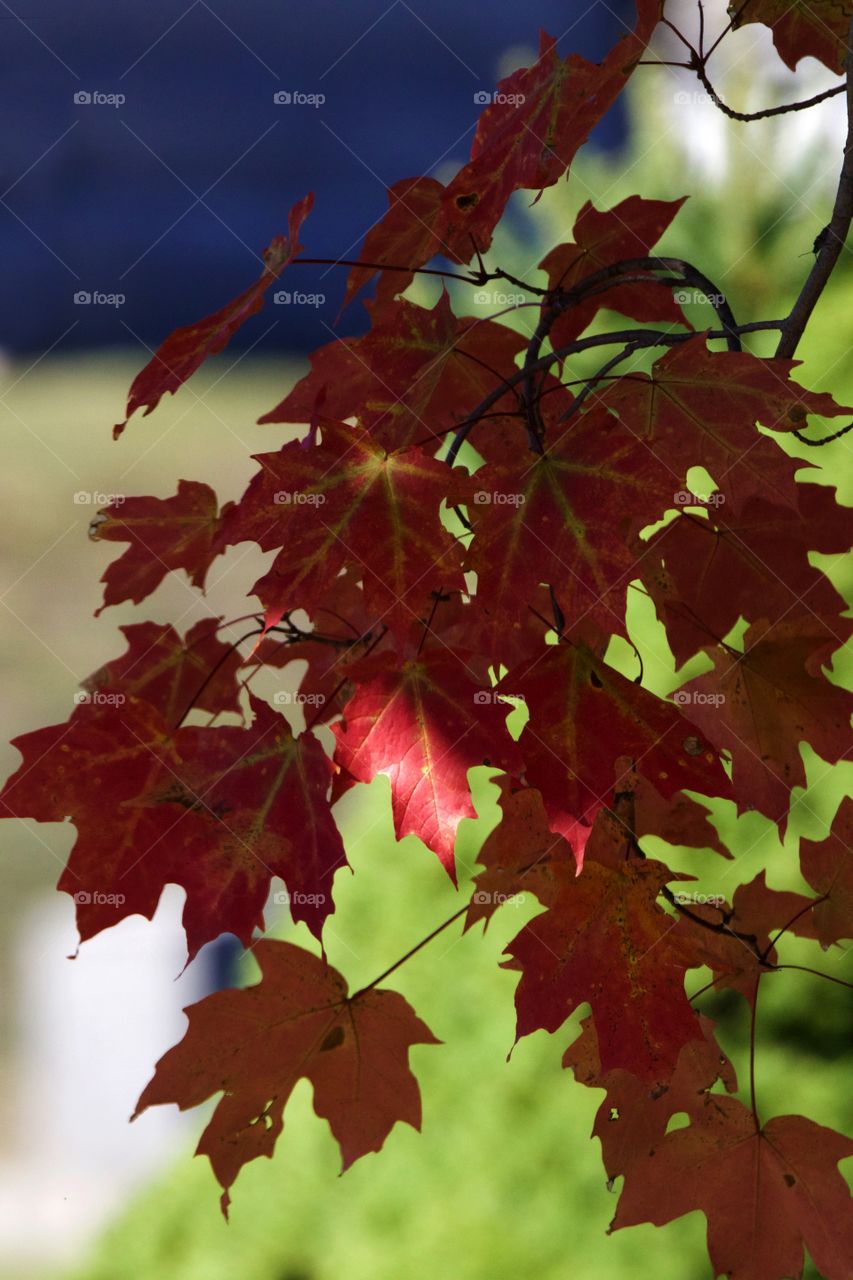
x=834 y=237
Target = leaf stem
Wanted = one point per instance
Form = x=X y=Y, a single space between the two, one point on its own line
x=412 y=951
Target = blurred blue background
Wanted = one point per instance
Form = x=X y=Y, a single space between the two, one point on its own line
x=168 y=197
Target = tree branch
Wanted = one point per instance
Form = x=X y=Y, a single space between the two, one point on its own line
x=833 y=238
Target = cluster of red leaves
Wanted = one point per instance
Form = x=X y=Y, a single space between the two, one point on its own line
x=423 y=579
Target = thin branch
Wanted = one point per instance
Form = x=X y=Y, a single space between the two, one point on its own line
x=816 y=973
x=785 y=927
x=752 y=1054
x=833 y=239
x=412 y=951
x=256 y=631
x=748 y=116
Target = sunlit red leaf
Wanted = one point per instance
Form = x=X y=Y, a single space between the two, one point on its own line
x=424 y=723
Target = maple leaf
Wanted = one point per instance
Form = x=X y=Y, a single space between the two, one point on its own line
x=827 y=865
x=704 y=574
x=347 y=502
x=343 y=629
x=584 y=716
x=700 y=408
x=522 y=854
x=603 y=237
x=766 y=1193
x=164 y=534
x=762 y=703
x=567 y=518
x=735 y=942
x=298 y=1022
x=804 y=28
x=632 y=1119
x=210 y=809
x=424 y=723
x=417 y=373
x=527 y=137
x=605 y=940
x=404 y=235
x=172 y=674
x=678 y=819
x=185 y=350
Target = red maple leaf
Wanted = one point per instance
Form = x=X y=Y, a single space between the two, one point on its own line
x=584 y=717
x=604 y=939
x=211 y=809
x=417 y=373
x=171 y=674
x=767 y=1193
x=185 y=350
x=297 y=1022
x=603 y=237
x=424 y=723
x=700 y=408
x=164 y=534
x=817 y=29
x=348 y=503
x=827 y=865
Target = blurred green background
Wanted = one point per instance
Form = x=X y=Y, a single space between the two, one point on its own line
x=504 y=1179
